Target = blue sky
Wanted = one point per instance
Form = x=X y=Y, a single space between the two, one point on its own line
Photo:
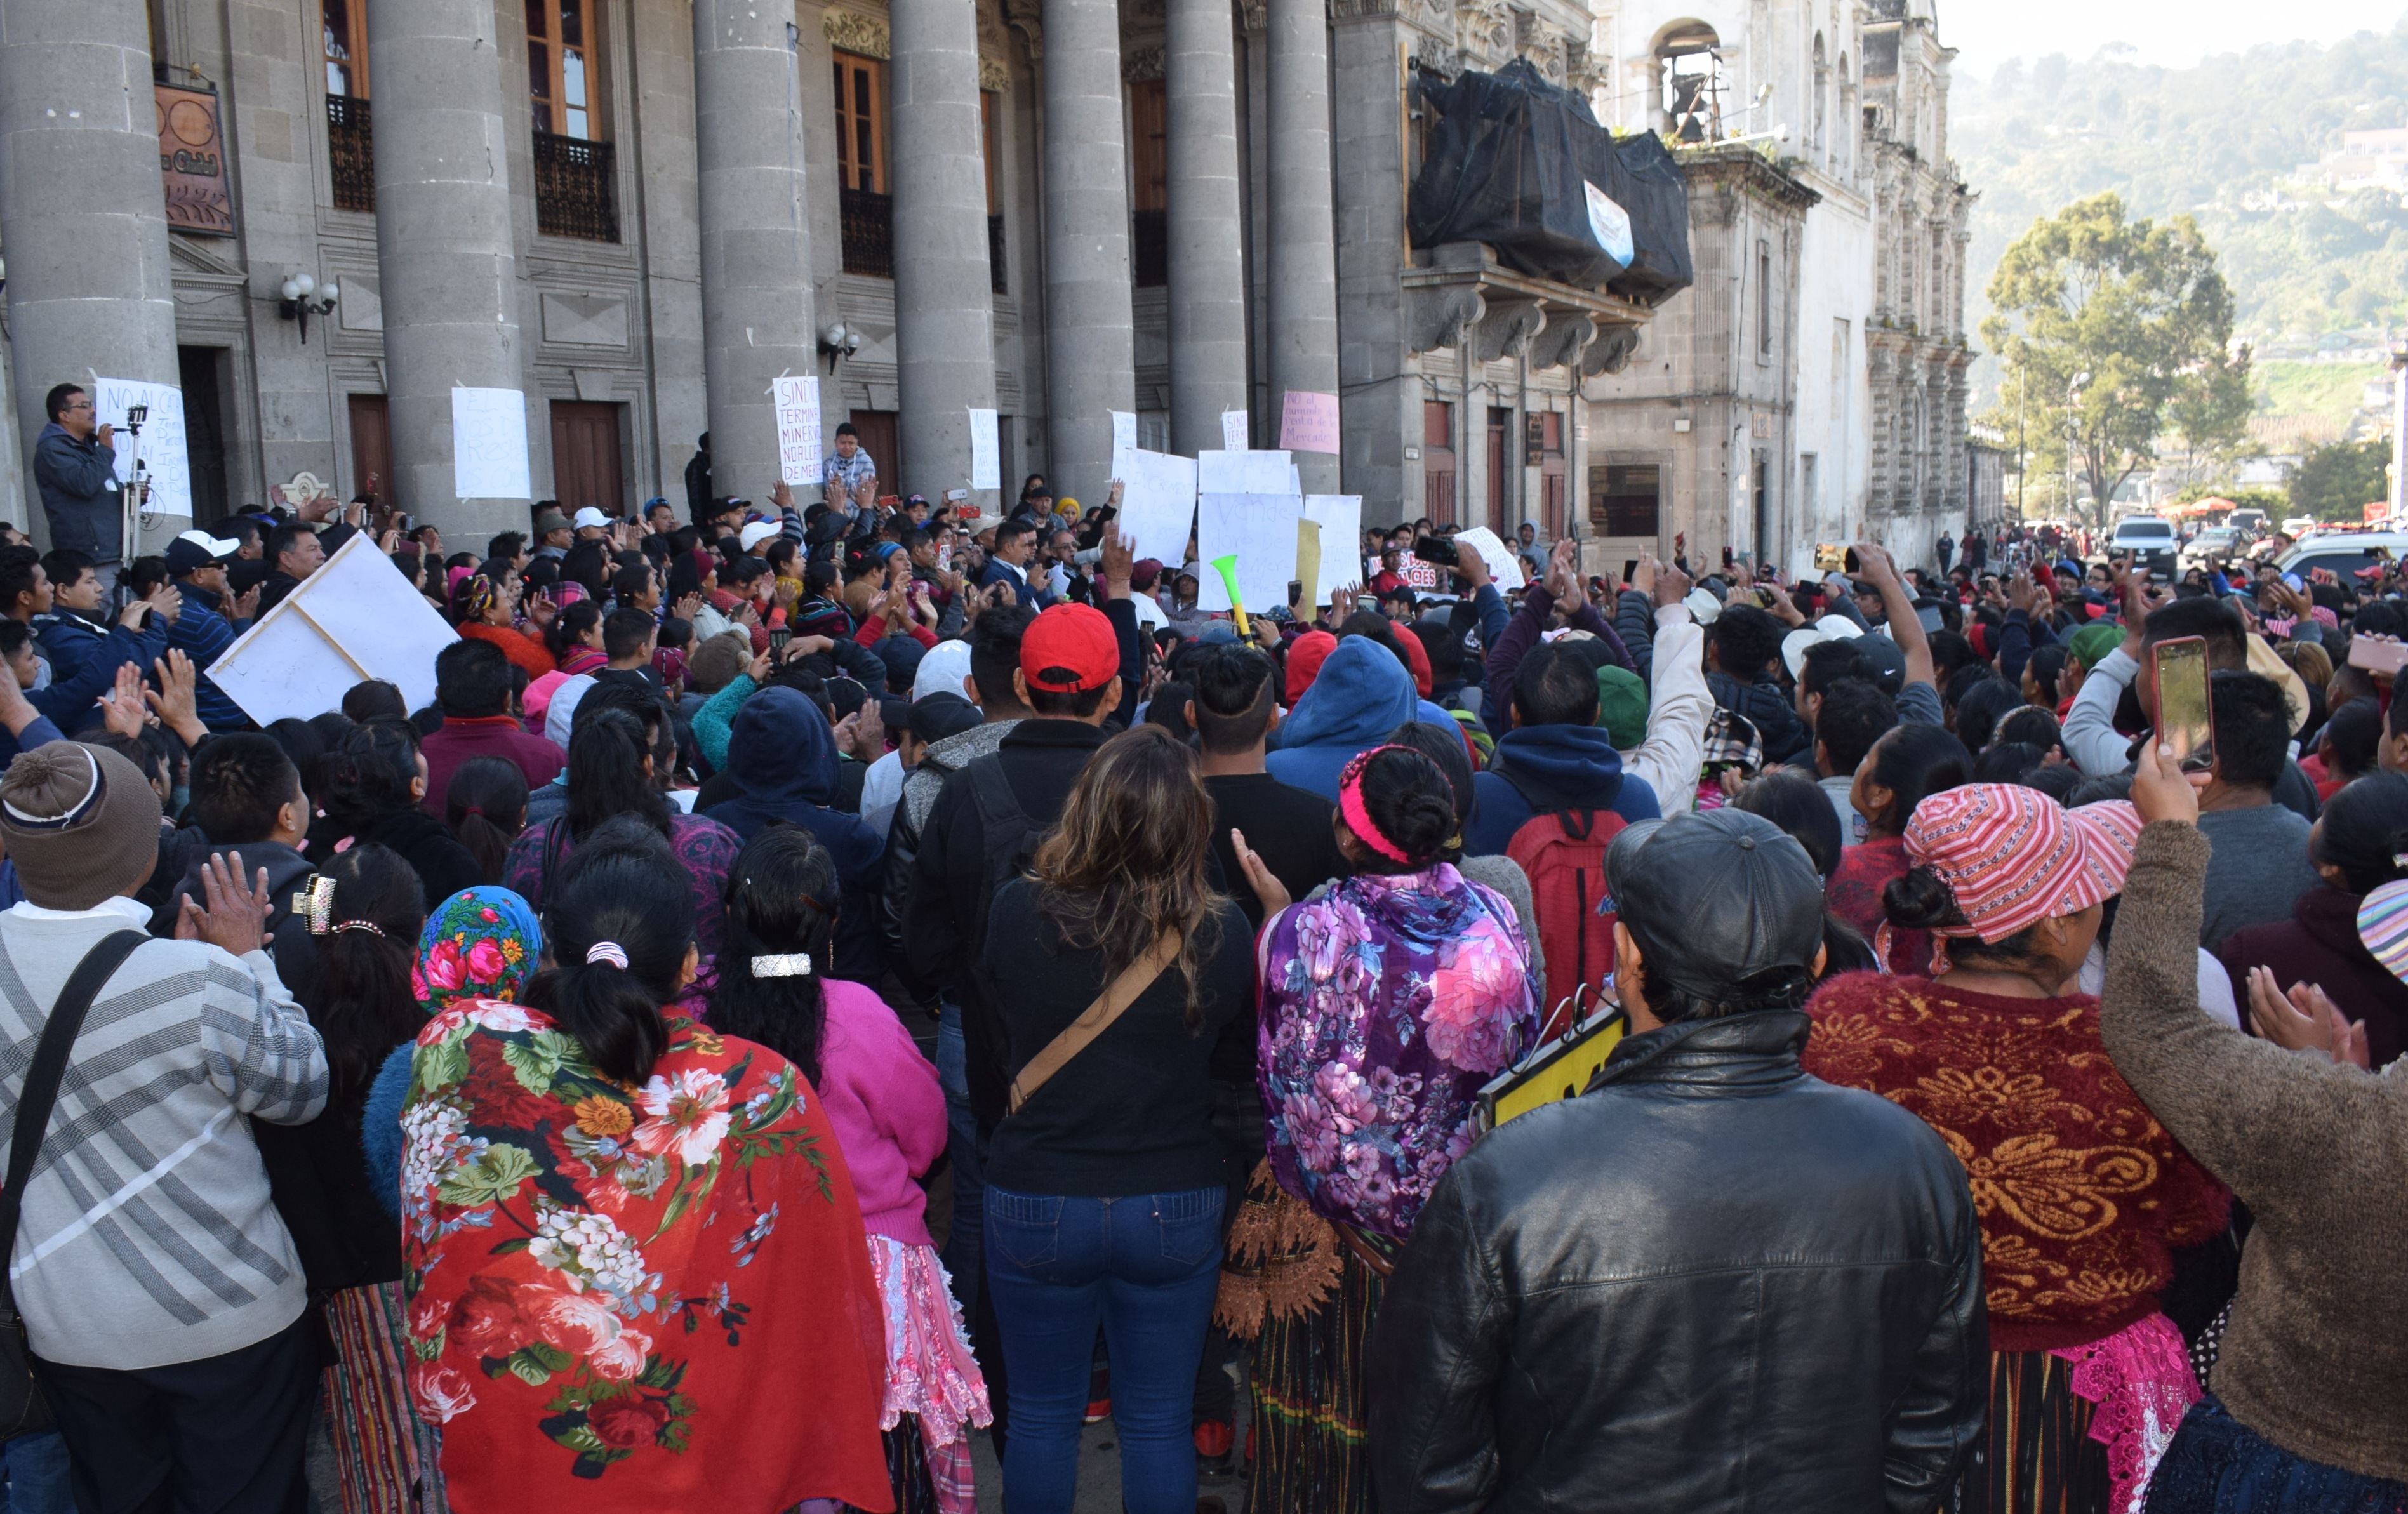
x=2174 y=33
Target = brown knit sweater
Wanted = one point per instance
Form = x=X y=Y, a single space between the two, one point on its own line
x=2316 y=1358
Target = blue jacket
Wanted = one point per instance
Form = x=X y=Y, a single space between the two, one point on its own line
x=68 y=641
x=1360 y=695
x=1566 y=767
x=782 y=759
x=78 y=484
x=69 y=700
x=202 y=634
x=1028 y=592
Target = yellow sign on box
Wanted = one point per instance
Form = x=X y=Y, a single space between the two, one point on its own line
x=1558 y=1070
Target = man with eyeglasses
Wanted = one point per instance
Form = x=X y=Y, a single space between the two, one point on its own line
x=75 y=470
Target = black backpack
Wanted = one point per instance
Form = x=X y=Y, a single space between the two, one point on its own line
x=1011 y=837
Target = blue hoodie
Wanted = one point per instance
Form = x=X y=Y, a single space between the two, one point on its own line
x=1361 y=693
x=1567 y=766
x=782 y=758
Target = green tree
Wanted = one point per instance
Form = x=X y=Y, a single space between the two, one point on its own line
x=2210 y=409
x=2102 y=322
x=2338 y=480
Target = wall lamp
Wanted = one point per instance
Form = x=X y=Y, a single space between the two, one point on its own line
x=839 y=340
x=302 y=296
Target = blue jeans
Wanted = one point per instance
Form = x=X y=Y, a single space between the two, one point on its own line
x=36 y=1467
x=1146 y=1267
x=964 y=1245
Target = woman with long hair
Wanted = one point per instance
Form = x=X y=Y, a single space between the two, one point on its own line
x=364 y=912
x=1908 y=764
x=485 y=807
x=1105 y=1183
x=641 y=1283
x=1386 y=1002
x=573 y=639
x=614 y=762
x=2083 y=1196
x=888 y=1110
x=375 y=780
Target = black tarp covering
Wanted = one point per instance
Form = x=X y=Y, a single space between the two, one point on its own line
x=1509 y=162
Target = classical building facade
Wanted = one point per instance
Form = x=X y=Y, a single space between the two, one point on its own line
x=639 y=214
x=1813 y=386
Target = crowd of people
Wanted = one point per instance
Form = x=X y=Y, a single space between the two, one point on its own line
x=824 y=982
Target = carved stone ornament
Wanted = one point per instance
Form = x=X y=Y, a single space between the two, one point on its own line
x=1441 y=318
x=1484 y=29
x=1140 y=65
x=1024 y=17
x=304 y=489
x=1508 y=330
x=849 y=31
x=1610 y=353
x=994 y=76
x=1562 y=343
x=1257 y=14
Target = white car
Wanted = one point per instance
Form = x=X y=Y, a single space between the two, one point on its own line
x=2148 y=539
x=2344 y=552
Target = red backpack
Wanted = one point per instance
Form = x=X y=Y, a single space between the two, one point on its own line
x=1562 y=852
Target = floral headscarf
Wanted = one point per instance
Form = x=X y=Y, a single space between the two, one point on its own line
x=480 y=943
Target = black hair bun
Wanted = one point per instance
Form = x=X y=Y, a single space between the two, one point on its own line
x=1919 y=900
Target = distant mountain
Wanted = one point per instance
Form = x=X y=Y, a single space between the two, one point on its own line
x=2243 y=142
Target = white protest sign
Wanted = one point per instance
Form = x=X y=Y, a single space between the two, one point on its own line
x=1233 y=430
x=1158 y=504
x=1260 y=529
x=356 y=618
x=1340 y=519
x=161 y=444
x=986 y=450
x=489 y=445
x=797 y=403
x=1244 y=473
x=1123 y=440
x=1503 y=566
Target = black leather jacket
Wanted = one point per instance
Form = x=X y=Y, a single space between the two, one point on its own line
x=1711 y=1284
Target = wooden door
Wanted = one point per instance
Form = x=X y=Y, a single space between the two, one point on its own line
x=371 y=445
x=882 y=440
x=586 y=456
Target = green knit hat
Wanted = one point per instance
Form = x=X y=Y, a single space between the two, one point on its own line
x=2090 y=645
x=1622 y=705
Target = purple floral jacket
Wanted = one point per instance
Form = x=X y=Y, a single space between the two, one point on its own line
x=1387 y=1002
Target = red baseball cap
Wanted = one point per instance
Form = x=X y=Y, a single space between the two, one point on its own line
x=1069 y=648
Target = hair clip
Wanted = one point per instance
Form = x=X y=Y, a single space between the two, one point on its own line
x=783 y=965
x=316 y=903
x=368 y=925
x=610 y=951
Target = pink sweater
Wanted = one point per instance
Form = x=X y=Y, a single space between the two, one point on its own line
x=889 y=1113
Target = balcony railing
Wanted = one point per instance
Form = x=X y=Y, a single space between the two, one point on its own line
x=350 y=152
x=576 y=188
x=1150 y=248
x=995 y=254
x=868 y=220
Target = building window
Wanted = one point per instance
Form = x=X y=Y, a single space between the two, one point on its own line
x=560 y=72
x=1149 y=186
x=346 y=47
x=1437 y=462
x=865 y=202
x=1763 y=302
x=1623 y=499
x=989 y=142
x=1543 y=449
x=1500 y=468
x=1691 y=59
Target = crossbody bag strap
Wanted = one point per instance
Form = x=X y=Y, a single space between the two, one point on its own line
x=1098 y=1017
x=40 y=1095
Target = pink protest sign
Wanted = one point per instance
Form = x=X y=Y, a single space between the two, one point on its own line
x=1310 y=422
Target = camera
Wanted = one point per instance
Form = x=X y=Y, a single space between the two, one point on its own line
x=1435 y=550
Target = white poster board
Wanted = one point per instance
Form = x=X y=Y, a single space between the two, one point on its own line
x=1158 y=504
x=797 y=403
x=1608 y=223
x=162 y=444
x=986 y=450
x=1123 y=441
x=1503 y=566
x=1340 y=519
x=489 y=445
x=1260 y=529
x=1244 y=473
x=355 y=618
x=1233 y=431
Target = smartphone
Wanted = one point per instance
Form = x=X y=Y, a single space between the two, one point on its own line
x=779 y=637
x=1828 y=557
x=2376 y=655
x=1630 y=569
x=1929 y=616
x=2185 y=726
x=1436 y=549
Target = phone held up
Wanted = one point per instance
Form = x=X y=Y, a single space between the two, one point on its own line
x=1435 y=550
x=2186 y=729
x=2378 y=655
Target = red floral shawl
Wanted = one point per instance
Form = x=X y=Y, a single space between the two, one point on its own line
x=650 y=1298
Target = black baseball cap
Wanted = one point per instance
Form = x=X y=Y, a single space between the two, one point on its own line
x=1724 y=906
x=1884 y=660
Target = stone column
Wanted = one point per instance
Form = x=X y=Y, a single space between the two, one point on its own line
x=446 y=249
x=1090 y=357
x=89 y=289
x=944 y=324
x=1303 y=251
x=1208 y=290
x=756 y=242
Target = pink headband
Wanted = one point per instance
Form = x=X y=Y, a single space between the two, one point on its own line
x=1350 y=803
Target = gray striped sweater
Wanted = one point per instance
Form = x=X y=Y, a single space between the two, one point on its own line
x=148 y=1236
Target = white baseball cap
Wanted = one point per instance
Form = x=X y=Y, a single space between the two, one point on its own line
x=1704 y=606
x=589 y=516
x=1798 y=643
x=756 y=534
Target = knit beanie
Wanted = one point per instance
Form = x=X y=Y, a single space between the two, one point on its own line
x=1622 y=705
x=80 y=824
x=2090 y=645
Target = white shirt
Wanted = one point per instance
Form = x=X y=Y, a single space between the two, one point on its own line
x=133 y=910
x=2214 y=985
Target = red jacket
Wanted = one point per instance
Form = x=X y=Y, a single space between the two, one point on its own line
x=524 y=647
x=490 y=736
